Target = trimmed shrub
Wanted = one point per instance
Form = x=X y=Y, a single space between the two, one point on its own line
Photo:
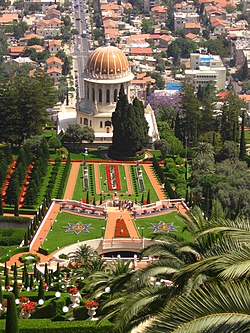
x=48 y=326
x=14 y=219
x=11 y=236
x=11 y=316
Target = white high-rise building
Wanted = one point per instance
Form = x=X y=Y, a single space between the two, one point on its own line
x=204 y=69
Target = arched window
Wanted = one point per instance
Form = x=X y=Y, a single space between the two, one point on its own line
x=80 y=120
x=93 y=94
x=115 y=95
x=100 y=124
x=85 y=121
x=107 y=96
x=108 y=123
x=100 y=95
x=90 y=123
x=87 y=92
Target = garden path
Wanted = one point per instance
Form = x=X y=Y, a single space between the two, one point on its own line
x=158 y=189
x=72 y=180
x=113 y=215
x=97 y=179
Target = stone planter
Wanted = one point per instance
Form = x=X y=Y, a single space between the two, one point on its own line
x=92 y=313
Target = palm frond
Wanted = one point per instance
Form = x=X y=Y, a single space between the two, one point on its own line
x=207 y=309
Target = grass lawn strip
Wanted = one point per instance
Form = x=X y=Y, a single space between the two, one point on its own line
x=148 y=185
x=174 y=218
x=78 y=191
x=58 y=237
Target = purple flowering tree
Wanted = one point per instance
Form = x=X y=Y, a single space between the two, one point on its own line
x=165 y=106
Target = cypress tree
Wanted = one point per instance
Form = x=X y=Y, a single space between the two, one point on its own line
x=100 y=200
x=87 y=197
x=45 y=269
x=31 y=229
x=15 y=271
x=27 y=281
x=7 y=280
x=41 y=290
x=25 y=242
x=16 y=209
x=31 y=281
x=1 y=204
x=49 y=279
x=177 y=127
x=11 y=315
x=130 y=128
x=94 y=203
x=5 y=272
x=15 y=289
x=142 y=199
x=35 y=271
x=46 y=278
x=29 y=234
x=148 y=197
x=23 y=277
x=58 y=270
x=25 y=268
x=242 y=138
x=1 y=291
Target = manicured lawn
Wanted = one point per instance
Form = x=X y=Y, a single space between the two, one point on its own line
x=49 y=133
x=155 y=153
x=58 y=237
x=92 y=155
x=247 y=137
x=148 y=185
x=174 y=218
x=78 y=191
x=4 y=250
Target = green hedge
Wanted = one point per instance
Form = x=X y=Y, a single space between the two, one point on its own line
x=11 y=236
x=18 y=250
x=43 y=251
x=48 y=326
x=26 y=211
x=14 y=219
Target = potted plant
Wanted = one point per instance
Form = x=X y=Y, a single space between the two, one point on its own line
x=91 y=305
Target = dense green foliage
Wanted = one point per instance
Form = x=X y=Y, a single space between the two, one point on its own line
x=11 y=236
x=23 y=104
x=130 y=133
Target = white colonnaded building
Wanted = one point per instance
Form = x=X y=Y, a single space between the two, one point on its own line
x=107 y=68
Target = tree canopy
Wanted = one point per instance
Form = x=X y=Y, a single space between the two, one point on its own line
x=130 y=128
x=23 y=104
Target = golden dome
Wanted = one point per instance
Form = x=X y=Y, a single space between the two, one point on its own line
x=107 y=62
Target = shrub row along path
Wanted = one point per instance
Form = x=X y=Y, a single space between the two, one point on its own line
x=50 y=218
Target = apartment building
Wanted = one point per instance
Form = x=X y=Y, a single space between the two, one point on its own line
x=204 y=69
x=181 y=19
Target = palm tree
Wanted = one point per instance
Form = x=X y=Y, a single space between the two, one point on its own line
x=83 y=255
x=219 y=251
x=114 y=275
x=216 y=307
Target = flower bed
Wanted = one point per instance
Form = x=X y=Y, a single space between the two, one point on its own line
x=113 y=178
x=121 y=229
